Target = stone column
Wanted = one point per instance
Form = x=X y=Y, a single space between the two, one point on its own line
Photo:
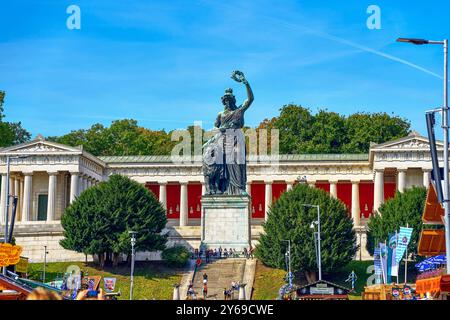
x=27 y=196
x=289 y=185
x=51 y=206
x=11 y=192
x=3 y=199
x=333 y=189
x=356 y=210
x=268 y=197
x=203 y=188
x=426 y=178
x=401 y=180
x=183 y=205
x=16 y=194
x=176 y=291
x=311 y=183
x=378 y=194
x=162 y=194
x=242 y=291
x=74 y=178
x=20 y=198
x=248 y=188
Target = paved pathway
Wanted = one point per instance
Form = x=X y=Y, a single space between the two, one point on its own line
x=220 y=273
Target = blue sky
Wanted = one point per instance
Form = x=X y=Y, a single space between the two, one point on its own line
x=166 y=63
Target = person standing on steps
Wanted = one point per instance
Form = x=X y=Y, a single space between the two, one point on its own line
x=205 y=290
x=205 y=278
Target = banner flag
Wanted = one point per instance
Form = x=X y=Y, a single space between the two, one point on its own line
x=384 y=261
x=110 y=284
x=404 y=237
x=377 y=265
x=392 y=264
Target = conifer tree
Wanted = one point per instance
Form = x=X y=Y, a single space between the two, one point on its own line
x=98 y=221
x=288 y=219
x=404 y=209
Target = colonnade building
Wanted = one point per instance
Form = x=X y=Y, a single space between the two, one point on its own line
x=46 y=177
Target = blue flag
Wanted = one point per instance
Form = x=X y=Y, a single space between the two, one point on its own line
x=404 y=236
x=384 y=261
x=377 y=265
x=392 y=266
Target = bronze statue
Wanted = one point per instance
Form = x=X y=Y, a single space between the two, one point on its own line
x=224 y=159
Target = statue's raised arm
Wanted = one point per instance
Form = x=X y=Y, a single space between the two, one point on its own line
x=238 y=76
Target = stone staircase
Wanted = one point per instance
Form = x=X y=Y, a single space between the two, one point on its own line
x=221 y=273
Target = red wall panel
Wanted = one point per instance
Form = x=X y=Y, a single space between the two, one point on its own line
x=173 y=201
x=153 y=187
x=194 y=196
x=277 y=190
x=258 y=199
x=366 y=199
x=344 y=193
x=389 y=190
x=324 y=186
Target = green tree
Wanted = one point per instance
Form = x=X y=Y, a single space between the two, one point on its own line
x=11 y=132
x=364 y=128
x=177 y=256
x=98 y=221
x=404 y=209
x=122 y=138
x=329 y=132
x=294 y=125
x=289 y=219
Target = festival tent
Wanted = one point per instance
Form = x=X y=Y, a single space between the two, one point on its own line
x=435 y=285
x=433 y=212
x=432 y=241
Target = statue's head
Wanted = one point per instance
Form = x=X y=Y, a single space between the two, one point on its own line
x=229 y=100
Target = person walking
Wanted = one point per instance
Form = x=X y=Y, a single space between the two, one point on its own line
x=205 y=291
x=205 y=278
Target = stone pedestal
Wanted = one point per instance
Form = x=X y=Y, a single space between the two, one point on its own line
x=226 y=221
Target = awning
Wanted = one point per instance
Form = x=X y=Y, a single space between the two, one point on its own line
x=432 y=243
x=433 y=285
x=433 y=211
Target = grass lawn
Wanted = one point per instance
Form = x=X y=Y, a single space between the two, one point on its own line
x=152 y=280
x=268 y=280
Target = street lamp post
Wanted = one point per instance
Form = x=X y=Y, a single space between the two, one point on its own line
x=288 y=256
x=445 y=128
x=45 y=263
x=8 y=196
x=133 y=254
x=319 y=250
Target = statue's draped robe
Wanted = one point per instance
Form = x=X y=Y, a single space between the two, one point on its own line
x=224 y=164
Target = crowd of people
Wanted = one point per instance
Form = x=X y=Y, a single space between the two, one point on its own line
x=228 y=293
x=220 y=253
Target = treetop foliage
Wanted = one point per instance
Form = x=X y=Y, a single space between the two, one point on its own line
x=289 y=219
x=329 y=132
x=11 y=132
x=99 y=220
x=404 y=209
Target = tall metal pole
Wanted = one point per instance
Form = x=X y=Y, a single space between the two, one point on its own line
x=318 y=242
x=133 y=242
x=446 y=159
x=290 y=269
x=45 y=263
x=7 y=205
x=445 y=128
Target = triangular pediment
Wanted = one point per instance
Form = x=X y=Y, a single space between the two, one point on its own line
x=40 y=145
x=413 y=141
